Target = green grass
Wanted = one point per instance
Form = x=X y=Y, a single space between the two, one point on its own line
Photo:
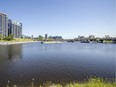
x=22 y=40
x=107 y=41
x=93 y=82
x=17 y=40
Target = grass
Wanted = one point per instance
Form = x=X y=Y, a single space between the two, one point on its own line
x=108 y=41
x=17 y=40
x=22 y=40
x=93 y=82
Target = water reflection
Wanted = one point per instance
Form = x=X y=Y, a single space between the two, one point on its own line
x=14 y=52
x=11 y=52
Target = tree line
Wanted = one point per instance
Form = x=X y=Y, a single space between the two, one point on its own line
x=7 y=38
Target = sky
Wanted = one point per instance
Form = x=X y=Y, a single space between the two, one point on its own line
x=66 y=18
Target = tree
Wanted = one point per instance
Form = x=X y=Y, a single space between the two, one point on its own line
x=40 y=38
x=11 y=37
x=1 y=37
x=8 y=38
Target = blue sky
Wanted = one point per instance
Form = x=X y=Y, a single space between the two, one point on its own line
x=67 y=18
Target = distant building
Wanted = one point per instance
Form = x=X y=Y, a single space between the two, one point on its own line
x=107 y=36
x=46 y=36
x=57 y=38
x=91 y=37
x=14 y=28
x=8 y=26
x=81 y=37
x=3 y=24
x=40 y=36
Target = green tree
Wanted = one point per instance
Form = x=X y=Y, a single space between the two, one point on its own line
x=1 y=37
x=40 y=38
x=11 y=37
x=8 y=38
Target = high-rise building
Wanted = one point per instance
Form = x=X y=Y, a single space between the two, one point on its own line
x=3 y=24
x=8 y=26
x=46 y=36
x=14 y=28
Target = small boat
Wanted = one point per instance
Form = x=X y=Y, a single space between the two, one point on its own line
x=41 y=42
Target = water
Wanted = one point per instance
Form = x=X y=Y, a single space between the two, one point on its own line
x=62 y=62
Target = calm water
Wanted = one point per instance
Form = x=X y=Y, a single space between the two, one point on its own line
x=62 y=62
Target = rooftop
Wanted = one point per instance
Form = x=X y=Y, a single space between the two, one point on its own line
x=1 y=13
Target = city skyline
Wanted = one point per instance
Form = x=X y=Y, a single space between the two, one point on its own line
x=66 y=18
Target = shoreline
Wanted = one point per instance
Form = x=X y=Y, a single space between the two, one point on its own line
x=51 y=42
x=44 y=42
x=10 y=43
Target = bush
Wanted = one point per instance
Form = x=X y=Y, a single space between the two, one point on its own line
x=8 y=38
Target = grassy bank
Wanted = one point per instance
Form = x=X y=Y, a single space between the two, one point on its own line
x=107 y=41
x=93 y=82
x=17 y=40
